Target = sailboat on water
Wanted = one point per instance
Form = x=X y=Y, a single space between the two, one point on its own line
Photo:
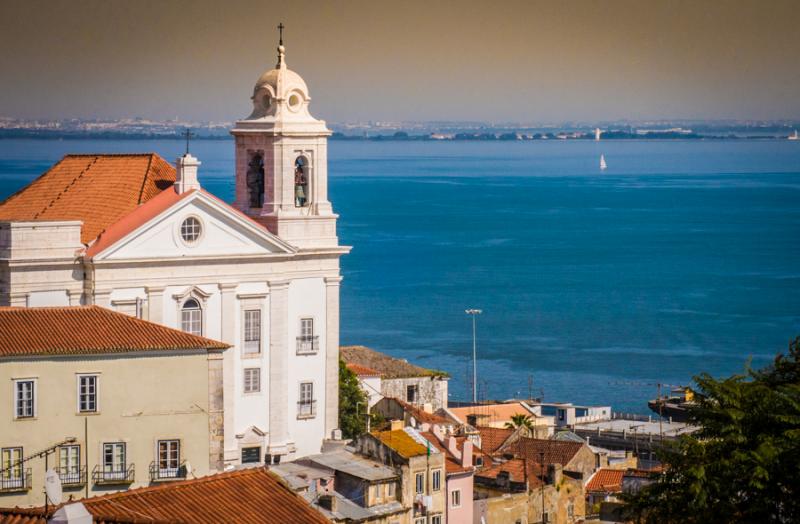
x=794 y=136
x=603 y=165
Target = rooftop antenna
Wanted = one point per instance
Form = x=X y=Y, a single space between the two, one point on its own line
x=187 y=134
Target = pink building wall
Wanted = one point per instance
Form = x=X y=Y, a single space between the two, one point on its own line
x=462 y=514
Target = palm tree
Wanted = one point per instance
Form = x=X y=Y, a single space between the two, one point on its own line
x=520 y=421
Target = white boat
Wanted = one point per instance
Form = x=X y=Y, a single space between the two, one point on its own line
x=603 y=164
x=794 y=136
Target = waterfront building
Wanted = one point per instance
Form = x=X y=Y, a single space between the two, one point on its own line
x=568 y=414
x=252 y=495
x=119 y=402
x=134 y=234
x=400 y=379
x=499 y=414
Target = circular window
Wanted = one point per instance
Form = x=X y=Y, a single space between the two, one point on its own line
x=294 y=101
x=191 y=230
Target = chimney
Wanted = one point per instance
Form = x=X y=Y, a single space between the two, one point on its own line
x=452 y=447
x=466 y=454
x=427 y=407
x=327 y=502
x=74 y=513
x=396 y=425
x=186 y=176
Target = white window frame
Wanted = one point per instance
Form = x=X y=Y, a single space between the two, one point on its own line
x=169 y=468
x=436 y=479
x=195 y=316
x=110 y=470
x=249 y=385
x=415 y=388
x=69 y=463
x=306 y=398
x=250 y=345
x=12 y=476
x=78 y=379
x=260 y=456
x=197 y=228
x=17 y=400
x=419 y=483
x=436 y=519
x=455 y=498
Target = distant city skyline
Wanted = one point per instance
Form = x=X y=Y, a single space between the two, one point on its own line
x=363 y=61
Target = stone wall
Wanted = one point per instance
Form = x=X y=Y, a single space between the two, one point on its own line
x=430 y=390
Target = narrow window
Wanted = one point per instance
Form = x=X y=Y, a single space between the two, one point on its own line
x=87 y=393
x=306 y=403
x=114 y=465
x=436 y=519
x=251 y=455
x=391 y=490
x=11 y=477
x=437 y=479
x=69 y=464
x=255 y=180
x=24 y=391
x=455 y=498
x=252 y=331
x=252 y=380
x=307 y=341
x=169 y=457
x=301 y=182
x=420 y=483
x=411 y=394
x=192 y=317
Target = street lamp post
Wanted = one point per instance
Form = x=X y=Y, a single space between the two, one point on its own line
x=474 y=313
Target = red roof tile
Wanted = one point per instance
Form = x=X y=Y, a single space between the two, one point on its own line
x=548 y=451
x=420 y=414
x=516 y=471
x=451 y=463
x=362 y=371
x=493 y=438
x=606 y=480
x=81 y=330
x=22 y=516
x=95 y=189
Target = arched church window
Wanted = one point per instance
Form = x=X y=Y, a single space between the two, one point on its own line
x=255 y=180
x=192 y=317
x=301 y=182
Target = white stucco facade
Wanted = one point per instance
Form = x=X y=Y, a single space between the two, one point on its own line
x=277 y=256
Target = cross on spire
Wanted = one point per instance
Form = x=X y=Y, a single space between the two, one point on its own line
x=280 y=33
x=187 y=134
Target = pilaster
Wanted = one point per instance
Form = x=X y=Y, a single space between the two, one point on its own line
x=278 y=367
x=228 y=334
x=75 y=297
x=155 y=304
x=216 y=411
x=332 y=285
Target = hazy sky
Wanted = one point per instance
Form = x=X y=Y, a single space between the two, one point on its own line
x=525 y=61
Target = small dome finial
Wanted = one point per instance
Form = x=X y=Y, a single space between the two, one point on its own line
x=281 y=49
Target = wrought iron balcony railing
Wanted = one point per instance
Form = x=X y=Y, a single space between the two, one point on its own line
x=72 y=477
x=307 y=344
x=15 y=479
x=104 y=475
x=307 y=409
x=159 y=474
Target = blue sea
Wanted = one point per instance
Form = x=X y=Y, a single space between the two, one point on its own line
x=683 y=257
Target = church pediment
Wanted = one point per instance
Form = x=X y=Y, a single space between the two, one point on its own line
x=198 y=225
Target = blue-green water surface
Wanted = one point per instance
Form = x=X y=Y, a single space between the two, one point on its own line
x=684 y=256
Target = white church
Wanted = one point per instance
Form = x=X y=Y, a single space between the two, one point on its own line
x=137 y=235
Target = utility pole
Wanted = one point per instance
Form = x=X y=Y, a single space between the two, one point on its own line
x=474 y=313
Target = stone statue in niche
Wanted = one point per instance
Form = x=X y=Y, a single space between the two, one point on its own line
x=255 y=180
x=300 y=183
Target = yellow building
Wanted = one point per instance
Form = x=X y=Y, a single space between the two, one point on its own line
x=107 y=400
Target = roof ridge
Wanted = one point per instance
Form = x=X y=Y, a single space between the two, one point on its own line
x=66 y=188
x=144 y=181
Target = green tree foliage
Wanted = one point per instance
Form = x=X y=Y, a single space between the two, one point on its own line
x=520 y=421
x=352 y=403
x=743 y=465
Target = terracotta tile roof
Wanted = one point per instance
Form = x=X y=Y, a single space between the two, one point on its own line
x=388 y=367
x=250 y=495
x=82 y=330
x=451 y=463
x=606 y=480
x=492 y=412
x=22 y=516
x=555 y=451
x=401 y=442
x=420 y=414
x=516 y=471
x=96 y=189
x=362 y=371
x=493 y=438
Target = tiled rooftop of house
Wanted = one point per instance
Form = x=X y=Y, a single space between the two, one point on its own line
x=544 y=451
x=95 y=189
x=84 y=330
x=606 y=480
x=492 y=412
x=403 y=443
x=451 y=464
x=249 y=495
x=388 y=367
x=420 y=414
x=362 y=371
x=493 y=438
x=516 y=469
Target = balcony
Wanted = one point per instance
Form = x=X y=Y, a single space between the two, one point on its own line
x=307 y=409
x=72 y=477
x=15 y=481
x=307 y=344
x=158 y=474
x=104 y=476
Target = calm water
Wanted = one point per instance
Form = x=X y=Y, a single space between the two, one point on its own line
x=682 y=257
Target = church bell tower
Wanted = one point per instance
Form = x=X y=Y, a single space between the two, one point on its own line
x=282 y=161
